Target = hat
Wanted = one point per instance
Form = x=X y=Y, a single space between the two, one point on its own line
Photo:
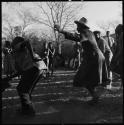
x=96 y=32
x=83 y=21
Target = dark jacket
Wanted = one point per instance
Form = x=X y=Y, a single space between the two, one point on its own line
x=117 y=60
x=92 y=70
x=103 y=45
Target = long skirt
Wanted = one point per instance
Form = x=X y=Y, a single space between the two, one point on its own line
x=92 y=72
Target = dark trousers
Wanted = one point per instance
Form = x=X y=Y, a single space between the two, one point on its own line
x=26 y=85
x=51 y=59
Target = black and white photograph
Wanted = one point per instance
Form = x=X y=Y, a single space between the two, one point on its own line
x=62 y=62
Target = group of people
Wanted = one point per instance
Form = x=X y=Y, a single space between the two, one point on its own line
x=7 y=61
x=92 y=70
x=99 y=56
x=106 y=45
x=8 y=66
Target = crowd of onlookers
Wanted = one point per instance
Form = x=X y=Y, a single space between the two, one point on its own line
x=8 y=66
x=48 y=53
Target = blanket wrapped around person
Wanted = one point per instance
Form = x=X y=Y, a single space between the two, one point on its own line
x=117 y=60
x=6 y=80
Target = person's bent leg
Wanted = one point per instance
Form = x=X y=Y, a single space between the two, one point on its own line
x=95 y=96
x=24 y=88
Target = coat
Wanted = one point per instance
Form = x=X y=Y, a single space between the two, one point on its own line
x=22 y=55
x=110 y=41
x=117 y=60
x=92 y=70
x=104 y=47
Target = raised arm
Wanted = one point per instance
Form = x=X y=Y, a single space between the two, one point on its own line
x=68 y=35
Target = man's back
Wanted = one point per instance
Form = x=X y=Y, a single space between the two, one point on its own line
x=110 y=41
x=103 y=45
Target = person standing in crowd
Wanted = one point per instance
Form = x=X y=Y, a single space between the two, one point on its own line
x=8 y=65
x=51 y=56
x=3 y=43
x=117 y=60
x=46 y=58
x=110 y=41
x=2 y=62
x=77 y=55
x=104 y=47
x=26 y=66
x=90 y=73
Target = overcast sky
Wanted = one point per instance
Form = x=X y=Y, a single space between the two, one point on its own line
x=96 y=11
x=101 y=11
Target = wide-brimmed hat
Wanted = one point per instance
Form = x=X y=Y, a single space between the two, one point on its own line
x=83 y=21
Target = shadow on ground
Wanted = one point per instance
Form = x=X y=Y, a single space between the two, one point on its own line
x=54 y=103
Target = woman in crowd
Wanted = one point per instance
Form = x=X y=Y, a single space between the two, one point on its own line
x=8 y=65
x=51 y=56
x=46 y=58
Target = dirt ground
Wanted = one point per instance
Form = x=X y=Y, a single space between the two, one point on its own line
x=57 y=102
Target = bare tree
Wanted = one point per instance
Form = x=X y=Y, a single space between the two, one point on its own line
x=108 y=25
x=105 y=26
x=25 y=18
x=111 y=24
x=50 y=13
x=114 y=24
x=7 y=26
x=22 y=14
x=8 y=19
x=46 y=36
x=62 y=13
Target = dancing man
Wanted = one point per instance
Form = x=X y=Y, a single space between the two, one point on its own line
x=90 y=73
